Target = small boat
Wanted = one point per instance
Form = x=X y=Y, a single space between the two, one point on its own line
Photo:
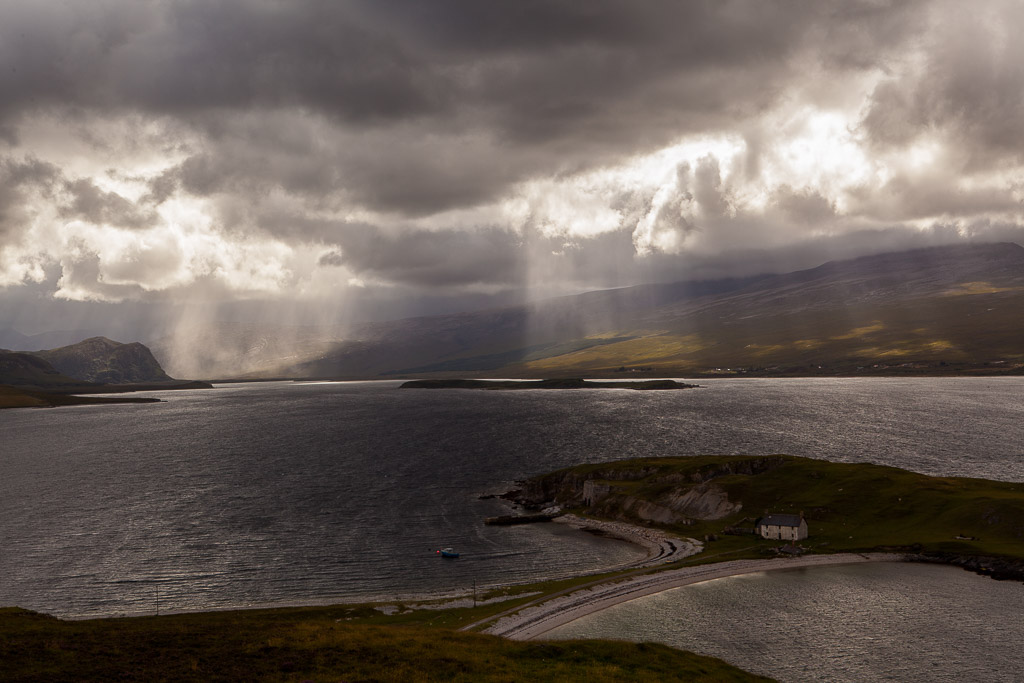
x=447 y=552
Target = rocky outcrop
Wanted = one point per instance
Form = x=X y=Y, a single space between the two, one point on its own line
x=605 y=491
x=105 y=361
x=682 y=506
x=703 y=502
x=1001 y=568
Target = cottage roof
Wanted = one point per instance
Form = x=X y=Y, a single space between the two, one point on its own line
x=779 y=519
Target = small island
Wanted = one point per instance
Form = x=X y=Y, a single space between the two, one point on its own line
x=575 y=383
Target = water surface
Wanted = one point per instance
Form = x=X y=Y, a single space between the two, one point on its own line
x=854 y=623
x=287 y=493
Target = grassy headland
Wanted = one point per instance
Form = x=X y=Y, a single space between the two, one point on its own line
x=848 y=507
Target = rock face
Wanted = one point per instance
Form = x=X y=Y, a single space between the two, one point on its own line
x=604 y=492
x=105 y=361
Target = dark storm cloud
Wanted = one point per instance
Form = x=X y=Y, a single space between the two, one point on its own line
x=177 y=57
x=95 y=205
x=403 y=143
x=28 y=183
x=970 y=90
x=432 y=259
x=19 y=181
x=526 y=87
x=804 y=207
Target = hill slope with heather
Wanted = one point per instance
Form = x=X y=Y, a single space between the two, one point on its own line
x=942 y=309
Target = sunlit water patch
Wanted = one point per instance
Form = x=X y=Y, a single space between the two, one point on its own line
x=283 y=493
x=874 y=622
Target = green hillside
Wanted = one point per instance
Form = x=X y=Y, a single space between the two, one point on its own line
x=848 y=507
x=943 y=310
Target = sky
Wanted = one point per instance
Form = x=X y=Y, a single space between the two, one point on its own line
x=318 y=161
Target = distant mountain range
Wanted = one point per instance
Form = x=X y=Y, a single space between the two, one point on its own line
x=954 y=309
x=12 y=339
x=942 y=309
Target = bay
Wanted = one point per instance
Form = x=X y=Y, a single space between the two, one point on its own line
x=844 y=624
x=300 y=493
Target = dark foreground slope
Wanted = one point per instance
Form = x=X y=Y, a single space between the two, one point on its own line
x=317 y=644
x=941 y=310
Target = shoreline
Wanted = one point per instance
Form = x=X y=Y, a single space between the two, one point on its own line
x=535 y=620
x=661 y=547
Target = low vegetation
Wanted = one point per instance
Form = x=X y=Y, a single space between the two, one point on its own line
x=317 y=644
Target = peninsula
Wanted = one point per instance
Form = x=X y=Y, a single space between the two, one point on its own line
x=848 y=507
x=855 y=513
x=575 y=383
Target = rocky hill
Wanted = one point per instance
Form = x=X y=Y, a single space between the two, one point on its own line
x=104 y=361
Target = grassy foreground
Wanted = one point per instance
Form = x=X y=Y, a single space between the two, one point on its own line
x=317 y=644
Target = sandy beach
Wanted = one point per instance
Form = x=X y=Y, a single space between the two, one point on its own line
x=535 y=620
x=661 y=547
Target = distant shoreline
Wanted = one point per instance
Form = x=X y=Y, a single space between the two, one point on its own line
x=23 y=397
x=565 y=384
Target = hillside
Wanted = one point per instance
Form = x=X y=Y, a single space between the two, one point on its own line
x=28 y=370
x=942 y=309
x=104 y=361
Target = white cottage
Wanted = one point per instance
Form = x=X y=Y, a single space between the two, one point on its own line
x=782 y=527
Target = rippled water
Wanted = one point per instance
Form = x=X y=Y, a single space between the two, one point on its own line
x=875 y=622
x=300 y=493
